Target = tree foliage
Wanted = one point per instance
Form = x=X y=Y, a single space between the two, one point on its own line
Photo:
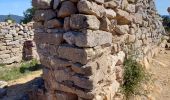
x=28 y=15
x=166 y=23
x=9 y=18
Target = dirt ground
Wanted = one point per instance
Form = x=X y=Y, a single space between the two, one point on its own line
x=160 y=69
x=18 y=88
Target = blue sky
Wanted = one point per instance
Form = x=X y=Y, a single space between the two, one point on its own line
x=162 y=6
x=17 y=7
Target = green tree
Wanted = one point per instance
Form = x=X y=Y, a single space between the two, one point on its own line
x=9 y=19
x=166 y=23
x=28 y=15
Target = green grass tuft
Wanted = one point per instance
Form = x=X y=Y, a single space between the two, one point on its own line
x=11 y=73
x=134 y=74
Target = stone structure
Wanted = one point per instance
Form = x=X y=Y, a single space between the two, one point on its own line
x=83 y=43
x=14 y=40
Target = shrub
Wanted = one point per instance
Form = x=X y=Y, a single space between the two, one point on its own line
x=11 y=73
x=134 y=74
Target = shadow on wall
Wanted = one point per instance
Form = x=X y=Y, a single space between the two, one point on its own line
x=28 y=50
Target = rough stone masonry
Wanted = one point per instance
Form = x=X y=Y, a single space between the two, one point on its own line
x=13 y=42
x=83 y=43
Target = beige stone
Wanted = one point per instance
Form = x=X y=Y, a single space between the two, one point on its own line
x=123 y=17
x=41 y=4
x=122 y=29
x=88 y=38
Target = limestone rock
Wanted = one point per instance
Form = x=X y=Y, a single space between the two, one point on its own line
x=109 y=13
x=44 y=15
x=53 y=38
x=110 y=4
x=90 y=8
x=41 y=4
x=80 y=21
x=123 y=17
x=105 y=24
x=67 y=9
x=122 y=29
x=54 y=23
x=88 y=38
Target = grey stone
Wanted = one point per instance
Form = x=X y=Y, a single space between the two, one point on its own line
x=88 y=38
x=80 y=21
x=41 y=4
x=67 y=8
x=44 y=15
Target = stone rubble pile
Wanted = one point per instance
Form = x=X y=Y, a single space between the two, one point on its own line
x=12 y=39
x=83 y=43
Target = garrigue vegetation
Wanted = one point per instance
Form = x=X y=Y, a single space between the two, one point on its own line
x=28 y=15
x=166 y=23
x=12 y=72
x=134 y=75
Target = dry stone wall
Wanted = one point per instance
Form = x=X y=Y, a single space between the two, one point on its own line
x=83 y=43
x=16 y=42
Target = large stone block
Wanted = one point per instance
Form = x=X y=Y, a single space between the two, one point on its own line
x=80 y=55
x=88 y=38
x=123 y=17
x=67 y=8
x=90 y=8
x=65 y=96
x=80 y=21
x=54 y=23
x=44 y=15
x=49 y=38
x=122 y=29
x=41 y=4
x=110 y=4
x=77 y=80
x=105 y=24
x=4 y=56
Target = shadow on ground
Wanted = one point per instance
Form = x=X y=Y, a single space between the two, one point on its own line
x=21 y=90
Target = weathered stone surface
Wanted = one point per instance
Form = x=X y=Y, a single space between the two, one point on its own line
x=105 y=24
x=44 y=15
x=123 y=17
x=88 y=38
x=80 y=21
x=78 y=54
x=65 y=96
x=131 y=8
x=54 y=23
x=90 y=8
x=110 y=4
x=67 y=9
x=67 y=23
x=85 y=62
x=75 y=54
x=56 y=3
x=3 y=84
x=42 y=4
x=49 y=38
x=14 y=42
x=109 y=13
x=122 y=29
